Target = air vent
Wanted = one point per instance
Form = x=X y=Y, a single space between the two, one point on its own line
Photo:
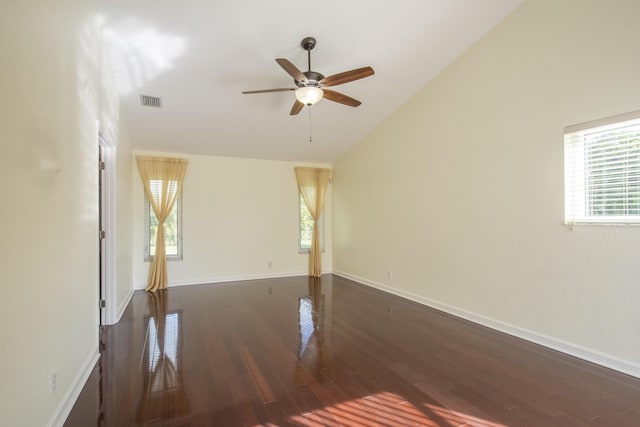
x=150 y=101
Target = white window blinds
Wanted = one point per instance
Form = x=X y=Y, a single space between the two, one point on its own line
x=602 y=171
x=172 y=225
x=306 y=227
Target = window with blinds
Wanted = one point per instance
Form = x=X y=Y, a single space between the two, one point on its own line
x=172 y=226
x=602 y=171
x=306 y=227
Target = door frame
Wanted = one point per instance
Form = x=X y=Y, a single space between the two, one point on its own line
x=106 y=282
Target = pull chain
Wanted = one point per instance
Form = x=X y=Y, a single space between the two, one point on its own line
x=310 y=124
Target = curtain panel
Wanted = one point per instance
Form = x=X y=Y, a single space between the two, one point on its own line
x=168 y=175
x=312 y=184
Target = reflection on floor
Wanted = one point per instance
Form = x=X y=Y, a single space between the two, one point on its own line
x=164 y=393
x=329 y=352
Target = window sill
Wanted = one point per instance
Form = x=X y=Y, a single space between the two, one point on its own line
x=169 y=258
x=306 y=251
x=573 y=225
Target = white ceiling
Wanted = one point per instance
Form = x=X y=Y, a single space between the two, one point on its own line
x=199 y=55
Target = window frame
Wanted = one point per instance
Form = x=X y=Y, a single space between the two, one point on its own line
x=580 y=192
x=301 y=249
x=147 y=235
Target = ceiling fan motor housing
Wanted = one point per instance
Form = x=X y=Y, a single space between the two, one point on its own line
x=312 y=79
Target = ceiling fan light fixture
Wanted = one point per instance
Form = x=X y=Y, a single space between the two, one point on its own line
x=309 y=95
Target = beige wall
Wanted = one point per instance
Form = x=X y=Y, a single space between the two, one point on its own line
x=54 y=91
x=238 y=214
x=460 y=192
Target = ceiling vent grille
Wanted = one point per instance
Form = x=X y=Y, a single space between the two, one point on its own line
x=150 y=101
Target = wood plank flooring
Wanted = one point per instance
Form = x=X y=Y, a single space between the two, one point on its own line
x=308 y=352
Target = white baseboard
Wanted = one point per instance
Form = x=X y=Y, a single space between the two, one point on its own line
x=64 y=408
x=123 y=306
x=580 y=352
x=237 y=278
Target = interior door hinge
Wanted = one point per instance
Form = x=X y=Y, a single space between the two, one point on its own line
x=103 y=303
x=102 y=165
x=102 y=234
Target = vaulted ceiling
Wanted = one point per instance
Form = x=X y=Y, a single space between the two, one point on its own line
x=199 y=55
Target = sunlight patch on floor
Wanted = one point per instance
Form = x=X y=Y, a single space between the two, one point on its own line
x=387 y=409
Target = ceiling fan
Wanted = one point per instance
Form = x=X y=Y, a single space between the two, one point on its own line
x=310 y=84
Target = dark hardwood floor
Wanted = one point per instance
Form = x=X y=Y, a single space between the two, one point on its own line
x=307 y=352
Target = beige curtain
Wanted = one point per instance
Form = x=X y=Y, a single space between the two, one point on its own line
x=168 y=174
x=312 y=183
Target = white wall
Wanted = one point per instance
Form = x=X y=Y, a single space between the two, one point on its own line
x=460 y=192
x=123 y=280
x=52 y=98
x=238 y=214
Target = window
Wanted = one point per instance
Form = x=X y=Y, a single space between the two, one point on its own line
x=602 y=171
x=172 y=227
x=306 y=227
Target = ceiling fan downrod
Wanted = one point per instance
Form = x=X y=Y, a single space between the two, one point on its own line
x=308 y=43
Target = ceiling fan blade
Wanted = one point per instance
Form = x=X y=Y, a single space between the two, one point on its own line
x=346 y=77
x=292 y=70
x=268 y=90
x=297 y=107
x=334 y=96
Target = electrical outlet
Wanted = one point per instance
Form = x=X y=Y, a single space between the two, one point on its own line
x=390 y=274
x=270 y=264
x=54 y=382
